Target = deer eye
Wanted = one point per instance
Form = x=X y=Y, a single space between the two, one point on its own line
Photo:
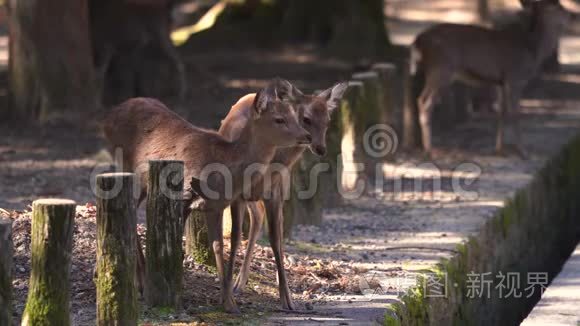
x=307 y=121
x=279 y=120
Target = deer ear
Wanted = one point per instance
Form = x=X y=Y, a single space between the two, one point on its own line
x=261 y=102
x=286 y=91
x=278 y=89
x=263 y=98
x=333 y=95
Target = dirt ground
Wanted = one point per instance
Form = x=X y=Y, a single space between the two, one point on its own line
x=374 y=234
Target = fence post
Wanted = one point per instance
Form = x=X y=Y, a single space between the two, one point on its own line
x=6 y=257
x=164 y=234
x=116 y=251
x=196 y=239
x=351 y=104
x=411 y=88
x=51 y=246
x=390 y=90
x=368 y=117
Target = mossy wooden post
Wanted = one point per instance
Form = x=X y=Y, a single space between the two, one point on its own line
x=352 y=102
x=164 y=262
x=51 y=246
x=305 y=203
x=116 y=251
x=368 y=117
x=390 y=90
x=330 y=181
x=196 y=239
x=411 y=129
x=6 y=257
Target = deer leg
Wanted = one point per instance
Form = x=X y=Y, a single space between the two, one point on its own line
x=238 y=210
x=436 y=81
x=276 y=232
x=505 y=103
x=215 y=236
x=257 y=214
x=513 y=113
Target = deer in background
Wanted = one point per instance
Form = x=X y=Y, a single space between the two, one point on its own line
x=145 y=129
x=479 y=56
x=314 y=112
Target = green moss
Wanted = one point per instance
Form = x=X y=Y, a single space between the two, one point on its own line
x=197 y=242
x=392 y=315
x=116 y=294
x=416 y=303
x=218 y=315
x=309 y=247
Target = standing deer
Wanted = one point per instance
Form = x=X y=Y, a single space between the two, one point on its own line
x=314 y=113
x=144 y=129
x=480 y=56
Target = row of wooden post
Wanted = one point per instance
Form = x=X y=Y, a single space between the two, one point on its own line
x=51 y=251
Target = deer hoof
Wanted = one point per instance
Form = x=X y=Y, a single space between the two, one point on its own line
x=287 y=304
x=239 y=286
x=238 y=289
x=232 y=308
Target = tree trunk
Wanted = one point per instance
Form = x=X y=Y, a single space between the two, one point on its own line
x=51 y=69
x=116 y=251
x=6 y=257
x=51 y=246
x=133 y=52
x=164 y=234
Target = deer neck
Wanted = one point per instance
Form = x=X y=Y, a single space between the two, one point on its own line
x=289 y=156
x=252 y=147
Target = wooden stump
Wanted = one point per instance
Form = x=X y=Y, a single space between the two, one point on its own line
x=6 y=257
x=116 y=251
x=164 y=276
x=331 y=182
x=391 y=88
x=51 y=246
x=305 y=204
x=367 y=117
x=411 y=90
x=351 y=104
x=196 y=239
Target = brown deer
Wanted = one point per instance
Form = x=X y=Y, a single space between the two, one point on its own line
x=145 y=129
x=314 y=113
x=480 y=56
